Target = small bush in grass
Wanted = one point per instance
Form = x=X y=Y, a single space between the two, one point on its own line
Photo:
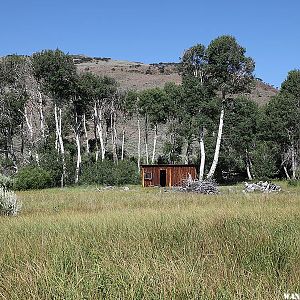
x=6 y=182
x=9 y=205
x=32 y=177
x=293 y=182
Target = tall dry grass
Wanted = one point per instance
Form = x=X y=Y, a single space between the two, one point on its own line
x=149 y=244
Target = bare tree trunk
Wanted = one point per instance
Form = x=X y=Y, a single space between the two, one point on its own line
x=22 y=139
x=78 y=163
x=31 y=136
x=202 y=155
x=30 y=129
x=86 y=136
x=100 y=131
x=286 y=173
x=154 y=144
x=146 y=140
x=139 y=143
x=114 y=134
x=248 y=171
x=56 y=142
x=98 y=115
x=248 y=166
x=218 y=143
x=123 y=143
x=58 y=120
x=95 y=131
x=41 y=112
x=293 y=163
x=78 y=145
x=78 y=158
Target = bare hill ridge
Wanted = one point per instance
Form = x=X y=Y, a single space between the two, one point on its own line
x=140 y=76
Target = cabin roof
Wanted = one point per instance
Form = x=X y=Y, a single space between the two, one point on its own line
x=167 y=165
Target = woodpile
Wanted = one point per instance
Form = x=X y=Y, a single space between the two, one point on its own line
x=265 y=187
x=199 y=186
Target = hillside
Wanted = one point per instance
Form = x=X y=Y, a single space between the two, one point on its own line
x=140 y=76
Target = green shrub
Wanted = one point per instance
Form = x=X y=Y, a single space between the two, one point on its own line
x=107 y=173
x=9 y=204
x=51 y=162
x=33 y=177
x=6 y=182
x=126 y=173
x=264 y=160
x=293 y=182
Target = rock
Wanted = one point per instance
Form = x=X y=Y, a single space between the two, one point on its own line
x=265 y=187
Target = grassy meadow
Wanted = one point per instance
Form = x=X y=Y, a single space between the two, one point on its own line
x=81 y=243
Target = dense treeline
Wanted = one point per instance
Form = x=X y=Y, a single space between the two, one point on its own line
x=67 y=127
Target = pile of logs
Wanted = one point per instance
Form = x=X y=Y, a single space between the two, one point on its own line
x=265 y=187
x=199 y=186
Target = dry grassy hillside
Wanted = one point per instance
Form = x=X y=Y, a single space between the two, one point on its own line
x=139 y=76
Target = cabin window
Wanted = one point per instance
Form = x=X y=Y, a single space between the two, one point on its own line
x=148 y=175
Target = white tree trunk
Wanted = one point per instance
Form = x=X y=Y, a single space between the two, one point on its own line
x=146 y=140
x=98 y=118
x=202 y=155
x=286 y=173
x=58 y=120
x=248 y=171
x=95 y=131
x=186 y=155
x=86 y=136
x=139 y=143
x=217 y=149
x=154 y=144
x=248 y=166
x=78 y=163
x=30 y=129
x=114 y=135
x=42 y=119
x=123 y=144
x=293 y=163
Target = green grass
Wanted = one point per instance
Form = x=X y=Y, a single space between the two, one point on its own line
x=79 y=243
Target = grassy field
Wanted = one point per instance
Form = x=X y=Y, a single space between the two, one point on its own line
x=80 y=243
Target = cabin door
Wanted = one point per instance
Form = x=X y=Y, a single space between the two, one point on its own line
x=163 y=177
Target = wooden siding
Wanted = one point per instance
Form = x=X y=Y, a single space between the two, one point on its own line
x=174 y=174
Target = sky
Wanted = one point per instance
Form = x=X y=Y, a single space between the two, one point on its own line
x=155 y=31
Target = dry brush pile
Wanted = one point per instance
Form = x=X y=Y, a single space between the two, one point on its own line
x=199 y=186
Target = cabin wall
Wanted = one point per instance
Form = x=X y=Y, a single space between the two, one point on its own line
x=174 y=175
x=181 y=173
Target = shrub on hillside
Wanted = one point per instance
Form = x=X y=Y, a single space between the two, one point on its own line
x=32 y=177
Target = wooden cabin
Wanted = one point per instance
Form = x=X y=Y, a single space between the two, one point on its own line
x=166 y=175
